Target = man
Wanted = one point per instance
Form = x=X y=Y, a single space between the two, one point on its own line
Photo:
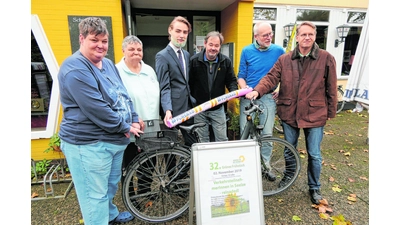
x=307 y=98
x=98 y=117
x=173 y=75
x=210 y=72
x=255 y=61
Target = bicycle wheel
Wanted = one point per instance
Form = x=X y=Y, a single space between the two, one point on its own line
x=156 y=186
x=284 y=163
x=341 y=102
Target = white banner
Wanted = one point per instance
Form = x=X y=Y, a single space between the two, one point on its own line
x=358 y=83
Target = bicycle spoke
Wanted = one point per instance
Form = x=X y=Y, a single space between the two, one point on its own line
x=154 y=190
x=284 y=163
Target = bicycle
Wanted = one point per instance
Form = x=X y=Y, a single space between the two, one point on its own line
x=157 y=183
x=341 y=102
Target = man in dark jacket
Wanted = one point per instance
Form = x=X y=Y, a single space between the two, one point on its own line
x=210 y=72
x=307 y=98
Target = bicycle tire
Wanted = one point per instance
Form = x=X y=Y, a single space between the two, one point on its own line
x=157 y=184
x=278 y=164
x=341 y=102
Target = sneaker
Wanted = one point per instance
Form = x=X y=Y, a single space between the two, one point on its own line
x=315 y=196
x=285 y=180
x=270 y=176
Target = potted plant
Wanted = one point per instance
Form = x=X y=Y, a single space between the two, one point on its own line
x=54 y=143
x=233 y=125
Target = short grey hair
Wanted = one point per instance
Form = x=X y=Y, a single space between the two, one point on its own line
x=258 y=24
x=130 y=40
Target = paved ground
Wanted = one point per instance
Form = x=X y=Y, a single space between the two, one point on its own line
x=348 y=173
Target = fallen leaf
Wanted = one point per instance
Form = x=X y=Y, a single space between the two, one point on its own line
x=324 y=216
x=280 y=200
x=34 y=195
x=365 y=150
x=331 y=179
x=341 y=151
x=150 y=203
x=347 y=154
x=351 y=199
x=328 y=132
x=48 y=190
x=351 y=180
x=336 y=189
x=350 y=164
x=353 y=195
x=81 y=221
x=323 y=202
x=322 y=209
x=302 y=151
x=296 y=218
x=363 y=178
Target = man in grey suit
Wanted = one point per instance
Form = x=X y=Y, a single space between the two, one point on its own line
x=173 y=75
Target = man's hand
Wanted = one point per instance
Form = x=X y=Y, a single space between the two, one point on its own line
x=142 y=125
x=275 y=95
x=168 y=116
x=252 y=95
x=135 y=129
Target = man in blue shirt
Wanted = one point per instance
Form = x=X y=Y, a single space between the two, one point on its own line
x=255 y=62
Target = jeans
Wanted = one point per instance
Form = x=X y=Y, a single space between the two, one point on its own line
x=267 y=118
x=217 y=120
x=95 y=170
x=313 y=138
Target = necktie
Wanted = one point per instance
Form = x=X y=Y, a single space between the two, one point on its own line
x=181 y=61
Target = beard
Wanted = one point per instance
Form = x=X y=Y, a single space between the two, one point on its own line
x=179 y=44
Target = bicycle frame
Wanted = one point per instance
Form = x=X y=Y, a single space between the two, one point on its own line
x=250 y=129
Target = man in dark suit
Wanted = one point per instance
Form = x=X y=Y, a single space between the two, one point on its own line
x=173 y=75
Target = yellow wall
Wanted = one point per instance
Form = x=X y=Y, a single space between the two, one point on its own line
x=53 y=16
x=236 y=26
x=329 y=3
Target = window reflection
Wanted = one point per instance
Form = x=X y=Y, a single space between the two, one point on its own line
x=201 y=26
x=312 y=15
x=356 y=17
x=264 y=14
x=41 y=83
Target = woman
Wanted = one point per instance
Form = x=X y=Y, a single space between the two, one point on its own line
x=141 y=82
x=98 y=119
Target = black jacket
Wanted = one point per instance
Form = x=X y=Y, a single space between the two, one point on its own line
x=224 y=77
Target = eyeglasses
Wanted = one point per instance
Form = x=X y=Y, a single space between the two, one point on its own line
x=266 y=35
x=305 y=35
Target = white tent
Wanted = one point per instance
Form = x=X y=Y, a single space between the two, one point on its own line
x=358 y=83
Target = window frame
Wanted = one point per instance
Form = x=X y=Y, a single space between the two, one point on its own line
x=53 y=68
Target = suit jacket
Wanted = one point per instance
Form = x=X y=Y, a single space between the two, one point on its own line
x=174 y=88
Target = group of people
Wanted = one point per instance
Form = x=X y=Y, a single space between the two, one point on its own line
x=105 y=106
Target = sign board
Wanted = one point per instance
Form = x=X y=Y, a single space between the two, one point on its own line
x=73 y=24
x=227 y=181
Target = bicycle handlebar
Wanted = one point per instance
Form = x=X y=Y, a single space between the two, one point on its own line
x=253 y=107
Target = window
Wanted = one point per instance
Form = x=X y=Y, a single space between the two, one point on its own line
x=312 y=15
x=356 y=17
x=264 y=14
x=44 y=84
x=201 y=26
